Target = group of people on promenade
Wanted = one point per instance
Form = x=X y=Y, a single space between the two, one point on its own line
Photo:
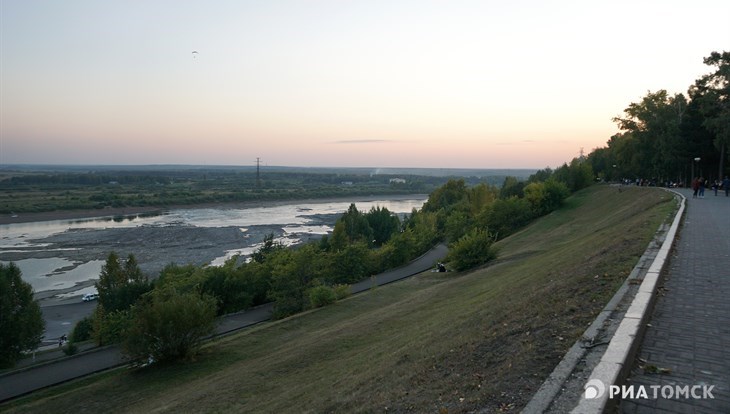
x=699 y=184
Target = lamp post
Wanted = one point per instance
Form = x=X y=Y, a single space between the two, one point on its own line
x=697 y=160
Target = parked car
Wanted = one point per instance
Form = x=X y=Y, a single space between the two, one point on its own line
x=89 y=297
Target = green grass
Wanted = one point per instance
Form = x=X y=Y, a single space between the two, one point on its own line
x=484 y=339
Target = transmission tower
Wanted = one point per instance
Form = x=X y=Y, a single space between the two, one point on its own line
x=258 y=172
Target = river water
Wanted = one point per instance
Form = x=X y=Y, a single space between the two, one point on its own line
x=64 y=257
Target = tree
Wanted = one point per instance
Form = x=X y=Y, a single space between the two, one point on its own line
x=546 y=197
x=268 y=248
x=713 y=93
x=170 y=326
x=576 y=176
x=21 y=321
x=356 y=226
x=654 y=124
x=511 y=187
x=119 y=285
x=506 y=216
x=446 y=196
x=383 y=224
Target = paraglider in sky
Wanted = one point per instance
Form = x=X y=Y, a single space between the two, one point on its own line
x=195 y=54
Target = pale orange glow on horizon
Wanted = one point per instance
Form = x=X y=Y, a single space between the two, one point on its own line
x=391 y=84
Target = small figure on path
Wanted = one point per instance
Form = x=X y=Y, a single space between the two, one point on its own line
x=695 y=187
x=726 y=186
x=716 y=186
x=702 y=187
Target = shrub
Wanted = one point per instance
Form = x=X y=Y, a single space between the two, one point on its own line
x=342 y=291
x=70 y=349
x=546 y=197
x=83 y=331
x=112 y=327
x=505 y=216
x=472 y=250
x=321 y=296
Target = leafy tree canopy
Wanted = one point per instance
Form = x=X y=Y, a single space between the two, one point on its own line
x=21 y=321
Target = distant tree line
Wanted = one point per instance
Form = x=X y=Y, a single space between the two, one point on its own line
x=666 y=138
x=25 y=191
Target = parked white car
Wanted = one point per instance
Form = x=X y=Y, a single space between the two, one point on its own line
x=89 y=297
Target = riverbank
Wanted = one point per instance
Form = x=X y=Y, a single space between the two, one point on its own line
x=130 y=211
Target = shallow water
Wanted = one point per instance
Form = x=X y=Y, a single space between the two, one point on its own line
x=55 y=271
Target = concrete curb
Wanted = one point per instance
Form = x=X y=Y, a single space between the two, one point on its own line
x=618 y=358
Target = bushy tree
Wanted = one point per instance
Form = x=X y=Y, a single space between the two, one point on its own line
x=291 y=275
x=169 y=325
x=83 y=331
x=21 y=321
x=457 y=224
x=655 y=125
x=545 y=197
x=268 y=248
x=506 y=216
x=120 y=284
x=446 y=196
x=321 y=295
x=399 y=250
x=111 y=327
x=472 y=250
x=712 y=91
x=383 y=224
x=576 y=176
x=230 y=288
x=351 y=263
x=356 y=226
x=511 y=187
x=663 y=134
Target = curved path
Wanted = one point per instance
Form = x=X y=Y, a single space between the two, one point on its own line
x=24 y=381
x=688 y=337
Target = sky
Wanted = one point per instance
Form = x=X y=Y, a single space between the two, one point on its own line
x=461 y=84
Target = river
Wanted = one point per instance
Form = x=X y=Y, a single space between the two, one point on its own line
x=61 y=259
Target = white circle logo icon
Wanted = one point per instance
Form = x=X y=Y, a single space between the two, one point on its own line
x=594 y=389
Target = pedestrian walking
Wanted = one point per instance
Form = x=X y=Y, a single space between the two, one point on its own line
x=695 y=187
x=702 y=187
x=726 y=186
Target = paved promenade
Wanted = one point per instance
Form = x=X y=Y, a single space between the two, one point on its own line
x=688 y=340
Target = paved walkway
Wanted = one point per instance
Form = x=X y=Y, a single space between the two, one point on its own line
x=33 y=378
x=688 y=340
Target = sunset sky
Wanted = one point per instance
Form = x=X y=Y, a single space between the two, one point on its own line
x=473 y=84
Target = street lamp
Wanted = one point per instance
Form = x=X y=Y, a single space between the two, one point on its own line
x=697 y=160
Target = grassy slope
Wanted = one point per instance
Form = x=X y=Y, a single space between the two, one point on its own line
x=448 y=343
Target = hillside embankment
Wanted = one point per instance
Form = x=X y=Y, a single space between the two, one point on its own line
x=455 y=342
